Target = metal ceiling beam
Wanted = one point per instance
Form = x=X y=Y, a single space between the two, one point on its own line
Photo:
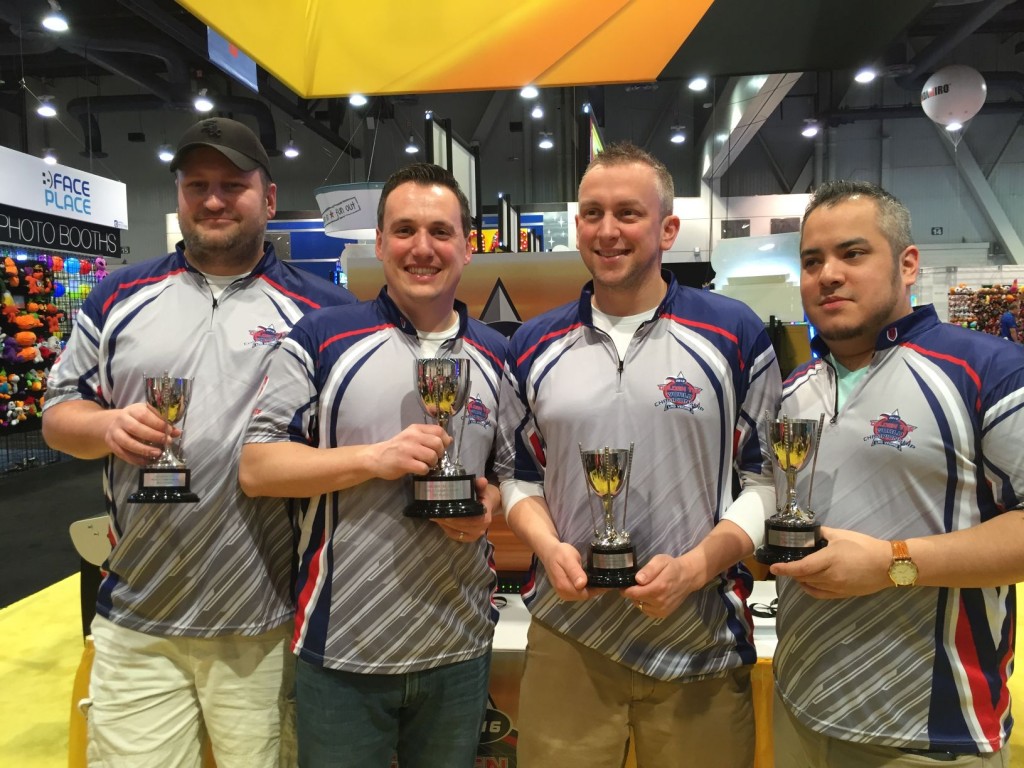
x=981 y=190
x=739 y=114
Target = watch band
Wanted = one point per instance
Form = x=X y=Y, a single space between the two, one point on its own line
x=900 y=551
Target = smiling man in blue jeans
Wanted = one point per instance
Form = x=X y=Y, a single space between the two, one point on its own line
x=394 y=623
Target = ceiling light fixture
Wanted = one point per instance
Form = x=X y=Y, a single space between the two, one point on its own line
x=202 y=102
x=358 y=100
x=865 y=75
x=412 y=147
x=54 y=20
x=678 y=135
x=49 y=156
x=46 y=108
x=538 y=112
x=698 y=84
x=810 y=129
x=954 y=126
x=546 y=142
x=586 y=107
x=290 y=150
x=529 y=92
x=165 y=153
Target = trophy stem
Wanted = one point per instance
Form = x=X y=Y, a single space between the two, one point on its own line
x=609 y=519
x=791 y=504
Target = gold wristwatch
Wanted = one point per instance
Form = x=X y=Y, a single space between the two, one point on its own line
x=902 y=569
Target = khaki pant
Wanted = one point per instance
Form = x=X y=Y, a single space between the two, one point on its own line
x=578 y=707
x=797 y=746
x=151 y=699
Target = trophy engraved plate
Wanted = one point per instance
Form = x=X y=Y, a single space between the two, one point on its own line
x=611 y=557
x=166 y=479
x=442 y=386
x=791 y=533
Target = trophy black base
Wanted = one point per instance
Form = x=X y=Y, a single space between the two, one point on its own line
x=611 y=566
x=788 y=542
x=444 y=496
x=164 y=486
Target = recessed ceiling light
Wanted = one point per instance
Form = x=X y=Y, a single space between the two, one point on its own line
x=46 y=108
x=358 y=100
x=290 y=150
x=529 y=92
x=865 y=75
x=54 y=20
x=202 y=103
x=546 y=142
x=165 y=153
x=698 y=84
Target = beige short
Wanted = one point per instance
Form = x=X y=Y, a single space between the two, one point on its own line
x=152 y=699
x=797 y=746
x=578 y=707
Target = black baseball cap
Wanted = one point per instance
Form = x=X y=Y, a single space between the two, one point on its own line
x=229 y=137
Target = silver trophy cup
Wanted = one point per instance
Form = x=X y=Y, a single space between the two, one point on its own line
x=611 y=558
x=166 y=479
x=442 y=384
x=791 y=533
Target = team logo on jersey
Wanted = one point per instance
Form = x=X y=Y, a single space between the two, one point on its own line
x=890 y=429
x=679 y=393
x=266 y=335
x=477 y=412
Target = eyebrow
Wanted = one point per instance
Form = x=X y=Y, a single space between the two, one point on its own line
x=407 y=221
x=633 y=202
x=843 y=245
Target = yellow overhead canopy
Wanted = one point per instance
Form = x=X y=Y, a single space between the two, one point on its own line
x=326 y=48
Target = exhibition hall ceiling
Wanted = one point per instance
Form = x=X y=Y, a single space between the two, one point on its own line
x=152 y=55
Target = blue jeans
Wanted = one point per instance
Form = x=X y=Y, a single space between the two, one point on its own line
x=349 y=720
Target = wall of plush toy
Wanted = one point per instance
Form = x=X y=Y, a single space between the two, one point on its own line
x=40 y=294
x=981 y=307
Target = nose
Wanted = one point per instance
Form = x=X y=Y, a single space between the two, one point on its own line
x=214 y=200
x=608 y=227
x=421 y=245
x=831 y=272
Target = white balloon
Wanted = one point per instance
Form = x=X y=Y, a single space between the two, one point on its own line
x=954 y=94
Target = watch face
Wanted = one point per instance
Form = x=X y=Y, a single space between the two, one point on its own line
x=903 y=573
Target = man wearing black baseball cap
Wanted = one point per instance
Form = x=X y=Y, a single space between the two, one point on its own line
x=229 y=137
x=194 y=616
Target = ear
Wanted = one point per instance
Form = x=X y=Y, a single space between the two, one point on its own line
x=909 y=262
x=469 y=251
x=271 y=200
x=378 y=245
x=669 y=231
x=577 y=219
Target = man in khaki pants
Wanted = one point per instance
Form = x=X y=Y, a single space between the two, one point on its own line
x=896 y=639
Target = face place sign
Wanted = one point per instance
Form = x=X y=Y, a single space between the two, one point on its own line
x=57 y=190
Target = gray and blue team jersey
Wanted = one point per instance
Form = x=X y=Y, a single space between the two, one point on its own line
x=928 y=442
x=379 y=592
x=223 y=565
x=695 y=379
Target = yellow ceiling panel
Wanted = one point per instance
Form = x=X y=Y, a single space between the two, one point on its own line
x=322 y=48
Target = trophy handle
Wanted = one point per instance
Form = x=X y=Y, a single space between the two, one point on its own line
x=814 y=462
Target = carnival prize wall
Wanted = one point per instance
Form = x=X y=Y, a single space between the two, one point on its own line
x=54 y=248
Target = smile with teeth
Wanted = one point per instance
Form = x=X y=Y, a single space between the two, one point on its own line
x=425 y=271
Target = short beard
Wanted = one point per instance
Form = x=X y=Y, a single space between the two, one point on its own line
x=236 y=255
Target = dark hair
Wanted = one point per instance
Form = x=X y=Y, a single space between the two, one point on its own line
x=425 y=174
x=626 y=153
x=893 y=216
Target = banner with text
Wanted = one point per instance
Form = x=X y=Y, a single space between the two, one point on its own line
x=57 y=190
x=38 y=230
